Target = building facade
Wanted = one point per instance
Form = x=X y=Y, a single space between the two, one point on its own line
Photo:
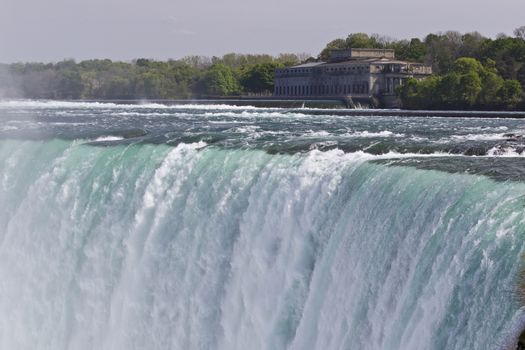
x=356 y=74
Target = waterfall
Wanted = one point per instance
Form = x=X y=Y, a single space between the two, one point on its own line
x=148 y=246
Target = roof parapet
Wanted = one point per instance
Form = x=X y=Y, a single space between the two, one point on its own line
x=337 y=55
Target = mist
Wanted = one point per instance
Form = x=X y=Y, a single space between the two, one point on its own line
x=10 y=86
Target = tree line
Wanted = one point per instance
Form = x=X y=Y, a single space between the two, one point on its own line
x=190 y=77
x=471 y=72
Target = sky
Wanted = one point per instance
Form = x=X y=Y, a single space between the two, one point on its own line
x=52 y=30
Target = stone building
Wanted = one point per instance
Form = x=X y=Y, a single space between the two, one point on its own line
x=352 y=74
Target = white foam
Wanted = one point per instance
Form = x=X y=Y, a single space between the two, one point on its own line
x=32 y=104
x=505 y=152
x=263 y=113
x=357 y=134
x=246 y=129
x=320 y=133
x=508 y=152
x=368 y=134
x=109 y=138
x=479 y=137
x=215 y=107
x=50 y=104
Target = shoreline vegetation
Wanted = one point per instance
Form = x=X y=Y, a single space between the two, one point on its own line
x=472 y=72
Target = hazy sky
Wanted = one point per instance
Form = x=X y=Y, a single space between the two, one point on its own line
x=51 y=30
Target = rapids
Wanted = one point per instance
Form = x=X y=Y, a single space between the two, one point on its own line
x=221 y=235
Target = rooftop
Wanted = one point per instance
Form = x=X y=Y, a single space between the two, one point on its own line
x=350 y=54
x=353 y=61
x=308 y=65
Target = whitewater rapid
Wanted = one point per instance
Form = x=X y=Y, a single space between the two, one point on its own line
x=152 y=246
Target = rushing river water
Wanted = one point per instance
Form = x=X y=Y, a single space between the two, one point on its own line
x=220 y=227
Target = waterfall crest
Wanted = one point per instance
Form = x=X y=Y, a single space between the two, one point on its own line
x=196 y=247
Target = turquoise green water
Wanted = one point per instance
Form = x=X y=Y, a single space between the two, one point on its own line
x=150 y=245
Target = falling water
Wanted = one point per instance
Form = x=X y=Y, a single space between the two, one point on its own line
x=196 y=244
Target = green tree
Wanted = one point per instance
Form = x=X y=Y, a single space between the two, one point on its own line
x=520 y=75
x=470 y=88
x=334 y=44
x=259 y=78
x=361 y=40
x=448 y=92
x=421 y=94
x=288 y=59
x=469 y=85
x=489 y=94
x=442 y=50
x=410 y=94
x=148 y=85
x=416 y=50
x=70 y=84
x=471 y=45
x=508 y=53
x=511 y=93
x=467 y=65
x=220 y=80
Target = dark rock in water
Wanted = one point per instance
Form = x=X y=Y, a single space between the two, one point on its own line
x=128 y=134
x=513 y=137
x=475 y=151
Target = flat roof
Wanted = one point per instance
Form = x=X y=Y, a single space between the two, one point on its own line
x=307 y=65
x=355 y=61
